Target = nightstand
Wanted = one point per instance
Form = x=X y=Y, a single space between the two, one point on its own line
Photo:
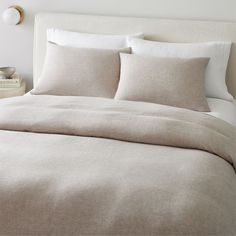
x=13 y=92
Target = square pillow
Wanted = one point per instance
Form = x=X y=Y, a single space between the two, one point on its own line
x=168 y=81
x=80 y=72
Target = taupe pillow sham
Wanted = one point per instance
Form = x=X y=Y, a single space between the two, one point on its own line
x=169 y=81
x=72 y=71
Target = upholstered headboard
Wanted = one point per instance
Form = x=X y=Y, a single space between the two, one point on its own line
x=154 y=29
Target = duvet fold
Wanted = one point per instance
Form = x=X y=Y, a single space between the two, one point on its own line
x=121 y=120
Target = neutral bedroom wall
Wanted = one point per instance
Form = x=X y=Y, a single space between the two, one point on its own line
x=16 y=42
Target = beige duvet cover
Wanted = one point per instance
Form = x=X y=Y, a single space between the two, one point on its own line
x=93 y=166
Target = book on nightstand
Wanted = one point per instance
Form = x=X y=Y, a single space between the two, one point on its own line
x=14 y=82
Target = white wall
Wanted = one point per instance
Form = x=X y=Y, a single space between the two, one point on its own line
x=16 y=42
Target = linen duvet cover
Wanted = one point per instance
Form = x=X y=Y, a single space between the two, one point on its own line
x=95 y=166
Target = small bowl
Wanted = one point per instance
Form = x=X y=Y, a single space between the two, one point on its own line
x=7 y=71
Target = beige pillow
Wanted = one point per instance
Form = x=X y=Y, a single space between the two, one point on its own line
x=169 y=81
x=80 y=72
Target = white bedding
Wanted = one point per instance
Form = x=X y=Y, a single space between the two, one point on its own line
x=223 y=109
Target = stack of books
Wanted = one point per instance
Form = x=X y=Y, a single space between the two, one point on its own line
x=13 y=82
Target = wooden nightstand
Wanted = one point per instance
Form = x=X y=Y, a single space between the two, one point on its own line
x=13 y=92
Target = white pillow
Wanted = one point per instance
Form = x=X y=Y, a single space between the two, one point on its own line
x=218 y=52
x=86 y=40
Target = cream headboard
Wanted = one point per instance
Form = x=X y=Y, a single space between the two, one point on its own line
x=154 y=29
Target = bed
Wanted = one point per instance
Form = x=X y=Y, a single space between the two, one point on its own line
x=80 y=165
